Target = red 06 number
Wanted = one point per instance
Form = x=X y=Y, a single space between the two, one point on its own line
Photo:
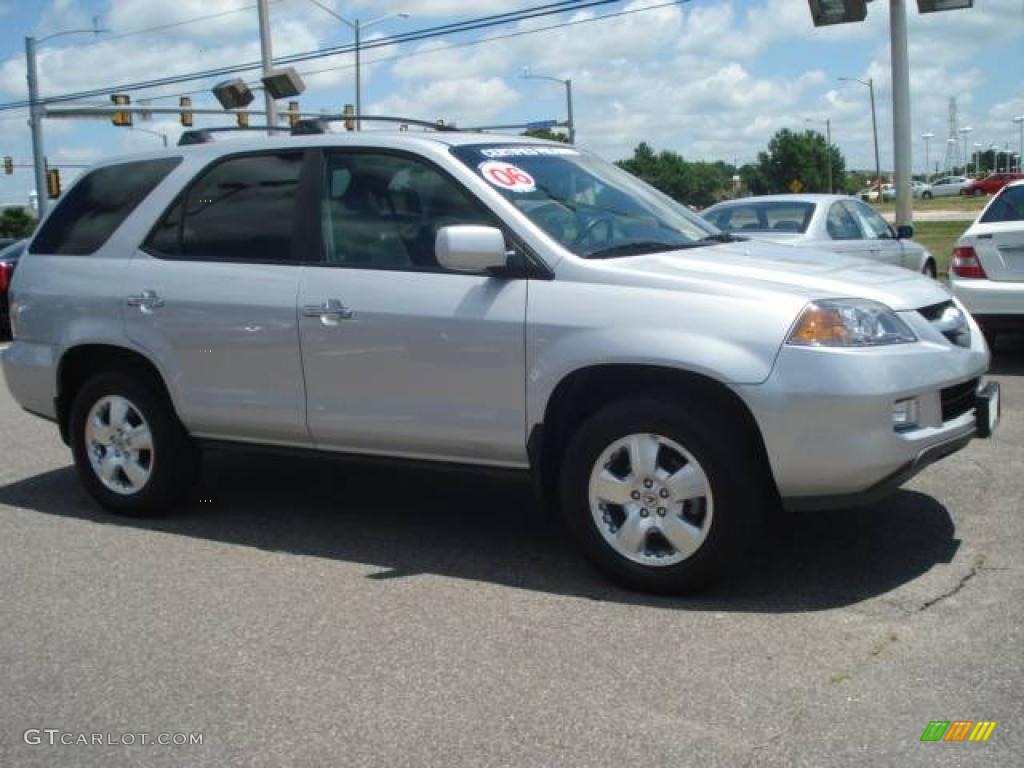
x=509 y=177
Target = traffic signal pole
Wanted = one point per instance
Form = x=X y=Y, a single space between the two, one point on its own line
x=35 y=121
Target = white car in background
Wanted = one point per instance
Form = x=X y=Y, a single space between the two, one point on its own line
x=949 y=186
x=834 y=223
x=921 y=189
x=987 y=271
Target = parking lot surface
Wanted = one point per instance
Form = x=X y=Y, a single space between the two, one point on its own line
x=305 y=612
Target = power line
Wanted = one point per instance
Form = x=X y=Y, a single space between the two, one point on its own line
x=468 y=44
x=423 y=34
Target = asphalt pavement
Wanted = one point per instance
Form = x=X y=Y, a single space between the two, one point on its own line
x=303 y=612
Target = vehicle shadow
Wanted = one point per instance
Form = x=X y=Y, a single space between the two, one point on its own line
x=1008 y=355
x=479 y=528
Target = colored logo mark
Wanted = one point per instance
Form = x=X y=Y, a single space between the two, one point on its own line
x=958 y=730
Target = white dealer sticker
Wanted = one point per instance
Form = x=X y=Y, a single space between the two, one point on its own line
x=507 y=176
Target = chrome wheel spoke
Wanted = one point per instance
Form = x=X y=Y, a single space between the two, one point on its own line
x=118 y=412
x=633 y=533
x=643 y=455
x=683 y=536
x=136 y=473
x=609 y=488
x=98 y=432
x=140 y=438
x=687 y=483
x=107 y=468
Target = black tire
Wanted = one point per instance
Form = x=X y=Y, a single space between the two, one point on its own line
x=731 y=462
x=174 y=456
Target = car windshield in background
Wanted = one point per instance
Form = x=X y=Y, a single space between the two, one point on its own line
x=774 y=216
x=589 y=206
x=1009 y=206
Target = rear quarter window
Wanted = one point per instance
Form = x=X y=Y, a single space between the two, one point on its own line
x=94 y=208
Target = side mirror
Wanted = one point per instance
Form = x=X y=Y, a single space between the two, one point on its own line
x=904 y=232
x=470 y=248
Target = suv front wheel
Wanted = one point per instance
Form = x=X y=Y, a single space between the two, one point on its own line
x=131 y=453
x=659 y=496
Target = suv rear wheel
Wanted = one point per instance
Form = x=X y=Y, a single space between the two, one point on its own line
x=661 y=497
x=131 y=453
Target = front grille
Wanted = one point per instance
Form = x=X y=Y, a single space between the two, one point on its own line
x=958 y=399
x=948 y=320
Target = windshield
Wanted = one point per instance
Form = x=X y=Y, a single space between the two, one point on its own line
x=590 y=207
x=787 y=216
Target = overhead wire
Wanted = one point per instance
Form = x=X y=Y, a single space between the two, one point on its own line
x=423 y=34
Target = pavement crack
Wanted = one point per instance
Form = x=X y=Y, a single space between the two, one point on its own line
x=945 y=595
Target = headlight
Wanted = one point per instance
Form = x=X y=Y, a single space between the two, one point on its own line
x=849 y=323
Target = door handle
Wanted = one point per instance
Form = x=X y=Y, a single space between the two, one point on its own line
x=332 y=309
x=146 y=301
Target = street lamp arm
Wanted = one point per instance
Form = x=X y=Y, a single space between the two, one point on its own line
x=865 y=83
x=325 y=9
x=353 y=25
x=527 y=76
x=92 y=31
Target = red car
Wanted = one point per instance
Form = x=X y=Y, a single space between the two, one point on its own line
x=991 y=183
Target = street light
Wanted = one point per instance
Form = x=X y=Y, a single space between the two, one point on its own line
x=870 y=83
x=35 y=108
x=357 y=27
x=525 y=75
x=151 y=133
x=963 y=132
x=828 y=145
x=1019 y=120
x=927 y=168
x=977 y=158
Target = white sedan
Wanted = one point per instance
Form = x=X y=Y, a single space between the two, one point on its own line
x=987 y=271
x=950 y=186
x=827 y=222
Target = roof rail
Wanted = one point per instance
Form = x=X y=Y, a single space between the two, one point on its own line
x=305 y=127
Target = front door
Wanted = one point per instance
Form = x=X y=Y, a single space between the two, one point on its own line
x=211 y=297
x=879 y=237
x=400 y=356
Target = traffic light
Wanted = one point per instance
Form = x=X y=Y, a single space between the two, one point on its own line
x=121 y=118
x=293 y=113
x=8 y=165
x=186 y=116
x=350 y=124
x=243 y=119
x=53 y=183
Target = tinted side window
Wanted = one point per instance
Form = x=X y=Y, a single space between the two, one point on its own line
x=383 y=211
x=94 y=208
x=1009 y=206
x=241 y=209
x=874 y=226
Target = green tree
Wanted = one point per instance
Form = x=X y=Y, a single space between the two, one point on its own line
x=798 y=159
x=16 y=223
x=696 y=183
x=546 y=133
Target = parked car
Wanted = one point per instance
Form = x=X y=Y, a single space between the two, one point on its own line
x=949 y=186
x=8 y=261
x=987 y=271
x=874 y=194
x=487 y=301
x=834 y=223
x=991 y=183
x=921 y=189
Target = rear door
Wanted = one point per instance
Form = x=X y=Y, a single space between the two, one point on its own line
x=211 y=297
x=999 y=236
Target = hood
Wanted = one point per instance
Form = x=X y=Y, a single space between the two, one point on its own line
x=763 y=267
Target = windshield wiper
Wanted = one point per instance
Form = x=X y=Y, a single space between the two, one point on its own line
x=637 y=248
x=724 y=237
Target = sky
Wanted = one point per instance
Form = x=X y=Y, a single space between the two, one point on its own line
x=710 y=79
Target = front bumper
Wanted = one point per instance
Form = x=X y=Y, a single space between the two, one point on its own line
x=826 y=415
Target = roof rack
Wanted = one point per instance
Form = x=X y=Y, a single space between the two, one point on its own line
x=309 y=126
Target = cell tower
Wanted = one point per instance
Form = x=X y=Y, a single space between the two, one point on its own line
x=953 y=159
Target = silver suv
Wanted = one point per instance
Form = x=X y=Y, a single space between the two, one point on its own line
x=487 y=301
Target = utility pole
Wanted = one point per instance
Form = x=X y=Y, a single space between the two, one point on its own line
x=36 y=126
x=267 y=56
x=901 y=129
x=870 y=83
